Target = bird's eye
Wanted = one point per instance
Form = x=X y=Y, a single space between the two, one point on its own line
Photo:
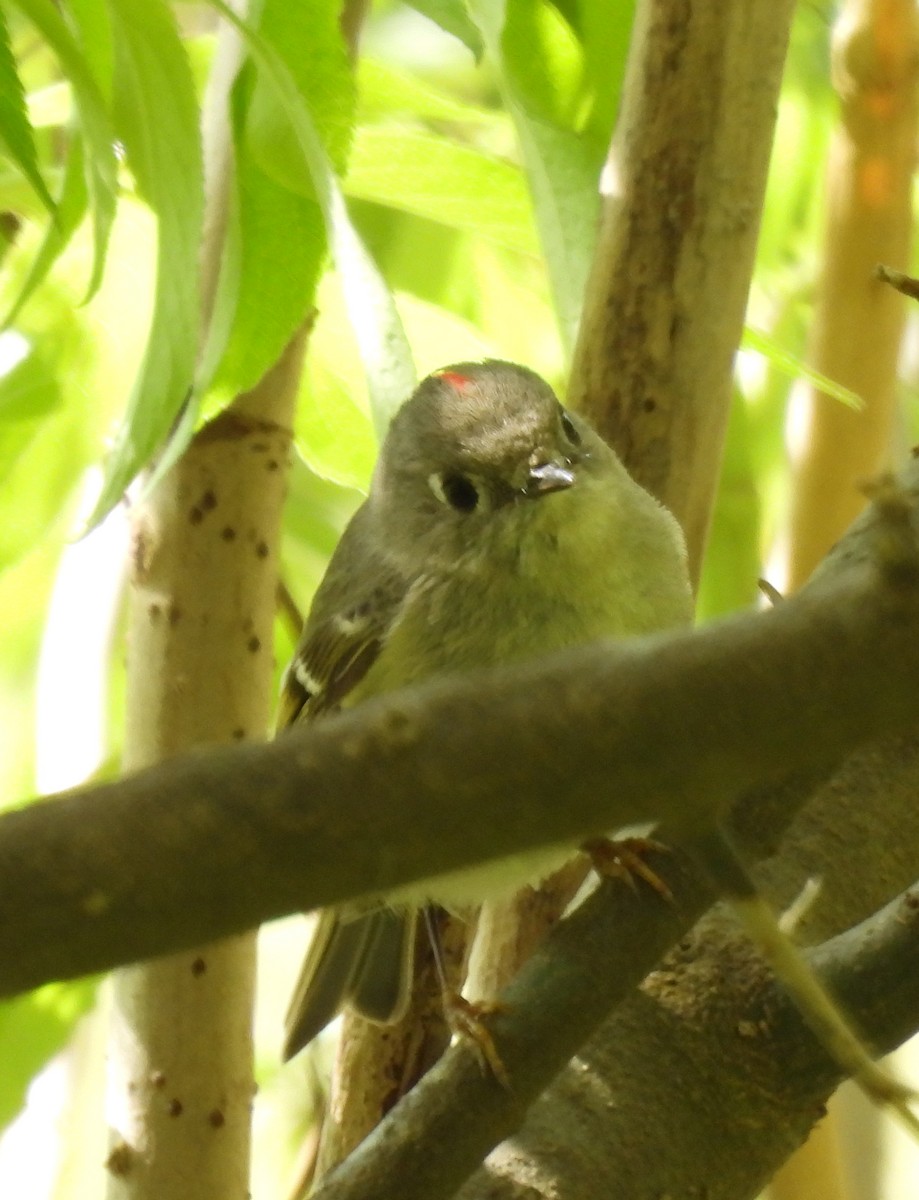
x=571 y=430
x=456 y=490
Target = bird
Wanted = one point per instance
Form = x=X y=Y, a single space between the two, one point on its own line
x=498 y=526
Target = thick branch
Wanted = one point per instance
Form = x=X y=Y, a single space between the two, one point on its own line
x=405 y=787
x=684 y=189
x=202 y=609
x=657 y=1055
x=709 y=1053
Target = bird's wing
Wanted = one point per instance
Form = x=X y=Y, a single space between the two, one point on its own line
x=365 y=961
x=357 y=604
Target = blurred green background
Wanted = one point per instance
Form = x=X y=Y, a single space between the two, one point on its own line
x=483 y=259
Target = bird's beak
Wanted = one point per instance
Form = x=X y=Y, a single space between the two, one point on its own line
x=548 y=477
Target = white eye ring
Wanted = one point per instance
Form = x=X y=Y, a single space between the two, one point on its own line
x=572 y=433
x=436 y=484
x=455 y=490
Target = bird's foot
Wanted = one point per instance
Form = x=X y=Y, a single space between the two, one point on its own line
x=467 y=1019
x=624 y=858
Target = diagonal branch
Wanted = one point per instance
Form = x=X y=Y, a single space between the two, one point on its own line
x=672 y=729
x=658 y=1133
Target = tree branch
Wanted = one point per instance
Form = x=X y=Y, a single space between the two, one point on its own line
x=405 y=787
x=663 y=1051
x=709 y=1053
x=684 y=185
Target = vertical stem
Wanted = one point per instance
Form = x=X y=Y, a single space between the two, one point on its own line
x=858 y=321
x=377 y=1064
x=683 y=189
x=855 y=338
x=200 y=671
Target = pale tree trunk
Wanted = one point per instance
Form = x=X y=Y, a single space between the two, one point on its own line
x=857 y=328
x=200 y=672
x=858 y=320
x=683 y=193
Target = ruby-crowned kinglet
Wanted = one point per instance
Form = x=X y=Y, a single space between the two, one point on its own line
x=498 y=527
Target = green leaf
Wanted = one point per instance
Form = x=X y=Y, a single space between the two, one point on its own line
x=93 y=21
x=383 y=90
x=333 y=434
x=43 y=449
x=381 y=339
x=98 y=134
x=71 y=208
x=50 y=107
x=332 y=427
x=543 y=62
x=442 y=335
x=562 y=166
x=28 y=389
x=733 y=561
x=15 y=130
x=564 y=179
x=445 y=181
x=488 y=17
x=32 y=1029
x=276 y=241
x=306 y=38
x=452 y=17
x=796 y=368
x=792 y=212
x=163 y=151
x=514 y=309
x=315 y=513
x=606 y=32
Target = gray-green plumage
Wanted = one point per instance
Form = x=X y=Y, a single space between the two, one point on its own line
x=498 y=527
